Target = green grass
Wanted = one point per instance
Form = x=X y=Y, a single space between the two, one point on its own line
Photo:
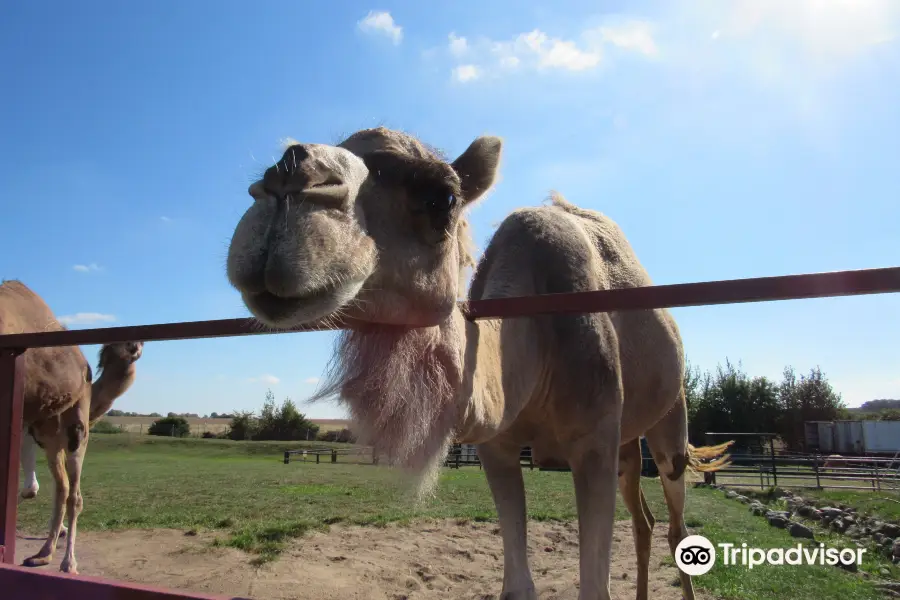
x=256 y=503
x=883 y=505
x=722 y=520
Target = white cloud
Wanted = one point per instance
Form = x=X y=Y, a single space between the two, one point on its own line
x=311 y=380
x=265 y=378
x=538 y=50
x=86 y=268
x=86 y=318
x=381 y=23
x=541 y=51
x=165 y=219
x=636 y=36
x=458 y=45
x=464 y=73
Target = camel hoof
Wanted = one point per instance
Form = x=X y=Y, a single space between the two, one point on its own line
x=69 y=567
x=37 y=561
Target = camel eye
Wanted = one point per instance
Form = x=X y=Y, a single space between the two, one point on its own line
x=442 y=202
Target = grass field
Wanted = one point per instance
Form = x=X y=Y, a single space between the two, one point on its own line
x=200 y=425
x=243 y=491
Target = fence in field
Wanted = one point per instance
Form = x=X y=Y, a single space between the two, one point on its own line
x=809 y=472
x=456 y=457
x=22 y=583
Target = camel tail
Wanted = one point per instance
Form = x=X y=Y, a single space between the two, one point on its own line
x=715 y=455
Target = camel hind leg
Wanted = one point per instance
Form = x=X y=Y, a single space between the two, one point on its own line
x=668 y=441
x=642 y=520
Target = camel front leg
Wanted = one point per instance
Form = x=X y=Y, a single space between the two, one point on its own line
x=504 y=474
x=55 y=460
x=595 y=461
x=74 y=505
x=642 y=520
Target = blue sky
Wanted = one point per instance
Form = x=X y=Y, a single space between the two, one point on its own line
x=737 y=139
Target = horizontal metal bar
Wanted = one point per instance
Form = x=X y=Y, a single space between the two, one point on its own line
x=22 y=583
x=760 y=289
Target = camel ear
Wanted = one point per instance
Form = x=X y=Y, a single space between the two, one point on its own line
x=477 y=167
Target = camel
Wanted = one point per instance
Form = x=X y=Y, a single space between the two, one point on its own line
x=60 y=402
x=117 y=371
x=373 y=231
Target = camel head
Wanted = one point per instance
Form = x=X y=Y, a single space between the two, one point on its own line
x=116 y=370
x=121 y=354
x=372 y=227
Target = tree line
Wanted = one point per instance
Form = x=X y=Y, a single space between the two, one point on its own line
x=280 y=423
x=728 y=400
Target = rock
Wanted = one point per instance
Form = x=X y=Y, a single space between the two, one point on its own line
x=798 y=530
x=815 y=515
x=805 y=510
x=743 y=499
x=779 y=513
x=896 y=548
x=829 y=513
x=891 y=530
x=878 y=536
x=853 y=532
x=852 y=567
x=758 y=509
x=884 y=572
x=848 y=518
x=777 y=521
x=731 y=494
x=839 y=525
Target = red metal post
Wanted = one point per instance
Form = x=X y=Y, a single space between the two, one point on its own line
x=12 y=388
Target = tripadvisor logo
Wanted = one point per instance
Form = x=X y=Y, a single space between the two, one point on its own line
x=696 y=555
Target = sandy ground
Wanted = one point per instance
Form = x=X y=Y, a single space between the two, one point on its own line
x=422 y=561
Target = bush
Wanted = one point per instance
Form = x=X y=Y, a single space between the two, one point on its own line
x=209 y=435
x=106 y=427
x=170 y=426
x=285 y=423
x=243 y=426
x=337 y=435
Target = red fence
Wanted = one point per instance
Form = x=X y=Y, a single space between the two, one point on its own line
x=34 y=585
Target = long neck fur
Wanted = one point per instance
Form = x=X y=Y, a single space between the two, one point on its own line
x=112 y=383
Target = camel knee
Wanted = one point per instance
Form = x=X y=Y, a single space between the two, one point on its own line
x=75 y=435
x=30 y=490
x=74 y=503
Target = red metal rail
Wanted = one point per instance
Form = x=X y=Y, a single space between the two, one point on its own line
x=32 y=585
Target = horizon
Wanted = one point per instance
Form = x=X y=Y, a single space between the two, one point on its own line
x=749 y=139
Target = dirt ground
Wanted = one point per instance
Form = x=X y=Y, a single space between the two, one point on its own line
x=418 y=562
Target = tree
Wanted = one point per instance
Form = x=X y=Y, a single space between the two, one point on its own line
x=243 y=426
x=284 y=423
x=729 y=401
x=174 y=426
x=811 y=398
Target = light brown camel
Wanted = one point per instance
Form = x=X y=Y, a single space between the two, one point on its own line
x=373 y=229
x=59 y=407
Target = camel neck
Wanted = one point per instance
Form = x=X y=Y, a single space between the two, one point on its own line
x=112 y=383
